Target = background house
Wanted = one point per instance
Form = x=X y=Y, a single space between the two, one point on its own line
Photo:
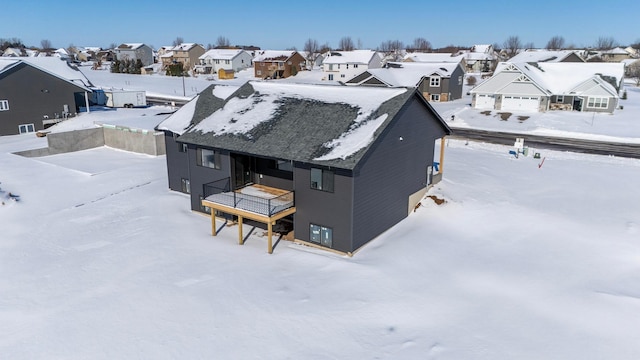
x=229 y=59
x=541 y=55
x=420 y=57
x=344 y=65
x=38 y=92
x=186 y=54
x=551 y=86
x=357 y=160
x=480 y=58
x=437 y=82
x=277 y=64
x=135 y=52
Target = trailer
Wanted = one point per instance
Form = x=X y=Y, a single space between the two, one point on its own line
x=125 y=98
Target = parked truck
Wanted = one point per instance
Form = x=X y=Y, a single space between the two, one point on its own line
x=125 y=98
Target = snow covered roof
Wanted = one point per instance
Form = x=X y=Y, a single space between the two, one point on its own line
x=407 y=74
x=130 y=46
x=554 y=78
x=485 y=49
x=52 y=65
x=184 y=47
x=433 y=57
x=350 y=57
x=222 y=54
x=267 y=55
x=616 y=51
x=541 y=56
x=321 y=124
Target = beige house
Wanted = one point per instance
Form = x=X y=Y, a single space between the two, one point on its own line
x=185 y=53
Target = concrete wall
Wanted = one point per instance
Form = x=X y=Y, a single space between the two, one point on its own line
x=140 y=141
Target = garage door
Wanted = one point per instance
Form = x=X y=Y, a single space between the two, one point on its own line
x=520 y=103
x=484 y=101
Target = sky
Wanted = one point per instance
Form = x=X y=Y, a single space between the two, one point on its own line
x=280 y=25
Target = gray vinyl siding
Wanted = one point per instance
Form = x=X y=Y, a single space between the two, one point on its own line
x=392 y=171
x=330 y=209
x=177 y=162
x=32 y=94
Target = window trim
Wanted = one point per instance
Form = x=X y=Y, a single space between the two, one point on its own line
x=185 y=185
x=597 y=102
x=4 y=105
x=26 y=128
x=434 y=81
x=435 y=97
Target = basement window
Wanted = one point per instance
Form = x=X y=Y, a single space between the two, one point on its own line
x=4 y=105
x=321 y=235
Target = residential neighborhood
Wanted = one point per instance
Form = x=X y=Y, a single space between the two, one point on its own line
x=194 y=197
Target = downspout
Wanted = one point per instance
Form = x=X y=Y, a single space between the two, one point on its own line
x=86 y=100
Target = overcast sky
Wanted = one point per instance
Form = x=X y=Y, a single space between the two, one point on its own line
x=277 y=24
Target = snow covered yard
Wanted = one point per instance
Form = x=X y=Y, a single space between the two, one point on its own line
x=100 y=260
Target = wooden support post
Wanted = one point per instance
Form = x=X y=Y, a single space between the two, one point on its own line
x=240 y=238
x=213 y=223
x=270 y=234
x=442 y=154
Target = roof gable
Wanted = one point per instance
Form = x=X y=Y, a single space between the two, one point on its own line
x=363 y=57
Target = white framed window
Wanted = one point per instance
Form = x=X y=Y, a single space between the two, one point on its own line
x=434 y=81
x=330 y=67
x=343 y=75
x=26 y=128
x=459 y=80
x=4 y=105
x=560 y=99
x=598 y=102
x=259 y=72
x=435 y=97
x=330 y=76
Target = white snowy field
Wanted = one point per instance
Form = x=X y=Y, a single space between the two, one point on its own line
x=99 y=260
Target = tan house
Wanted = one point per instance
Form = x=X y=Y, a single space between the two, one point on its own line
x=186 y=53
x=277 y=64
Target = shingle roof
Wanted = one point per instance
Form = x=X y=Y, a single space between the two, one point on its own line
x=328 y=125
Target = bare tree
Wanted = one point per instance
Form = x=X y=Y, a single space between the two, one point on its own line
x=179 y=40
x=605 y=43
x=113 y=46
x=210 y=46
x=391 y=48
x=421 y=45
x=222 y=42
x=512 y=45
x=312 y=50
x=346 y=44
x=324 y=48
x=529 y=45
x=45 y=44
x=555 y=43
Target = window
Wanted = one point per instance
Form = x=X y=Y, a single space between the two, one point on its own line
x=322 y=179
x=259 y=72
x=330 y=67
x=208 y=158
x=560 y=99
x=182 y=147
x=321 y=235
x=4 y=105
x=284 y=165
x=598 y=102
x=435 y=97
x=459 y=80
x=330 y=76
x=342 y=75
x=227 y=62
x=355 y=66
x=185 y=186
x=26 y=128
x=434 y=81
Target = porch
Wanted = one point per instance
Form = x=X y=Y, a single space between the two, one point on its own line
x=253 y=201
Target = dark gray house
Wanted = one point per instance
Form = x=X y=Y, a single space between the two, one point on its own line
x=338 y=165
x=37 y=92
x=438 y=82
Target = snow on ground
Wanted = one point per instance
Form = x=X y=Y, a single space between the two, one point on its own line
x=100 y=260
x=525 y=260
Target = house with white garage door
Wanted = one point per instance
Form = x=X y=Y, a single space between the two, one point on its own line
x=539 y=87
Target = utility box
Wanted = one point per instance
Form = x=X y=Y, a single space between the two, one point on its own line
x=125 y=98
